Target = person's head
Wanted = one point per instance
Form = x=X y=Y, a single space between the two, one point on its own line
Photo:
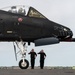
x=42 y=51
x=32 y=50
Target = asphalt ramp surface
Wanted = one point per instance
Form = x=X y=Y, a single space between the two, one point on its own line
x=37 y=72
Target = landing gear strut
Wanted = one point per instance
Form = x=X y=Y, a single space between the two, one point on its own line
x=23 y=63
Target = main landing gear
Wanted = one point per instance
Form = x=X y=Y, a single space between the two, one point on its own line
x=23 y=63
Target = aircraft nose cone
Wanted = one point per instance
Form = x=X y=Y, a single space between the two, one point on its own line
x=66 y=34
x=70 y=33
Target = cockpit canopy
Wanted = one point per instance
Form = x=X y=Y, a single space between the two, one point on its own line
x=24 y=10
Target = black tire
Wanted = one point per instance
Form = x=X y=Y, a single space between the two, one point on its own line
x=24 y=67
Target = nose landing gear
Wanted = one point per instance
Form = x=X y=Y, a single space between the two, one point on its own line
x=23 y=63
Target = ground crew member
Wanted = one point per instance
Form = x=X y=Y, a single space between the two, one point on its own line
x=42 y=58
x=32 y=56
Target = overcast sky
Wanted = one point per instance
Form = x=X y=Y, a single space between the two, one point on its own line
x=60 y=11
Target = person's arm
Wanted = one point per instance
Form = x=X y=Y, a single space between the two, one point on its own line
x=29 y=53
x=44 y=55
x=38 y=53
x=35 y=55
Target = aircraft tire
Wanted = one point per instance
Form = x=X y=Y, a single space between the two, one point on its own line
x=24 y=66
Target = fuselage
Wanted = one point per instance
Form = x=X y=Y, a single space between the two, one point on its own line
x=15 y=26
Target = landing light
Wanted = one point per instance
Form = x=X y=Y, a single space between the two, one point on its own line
x=65 y=29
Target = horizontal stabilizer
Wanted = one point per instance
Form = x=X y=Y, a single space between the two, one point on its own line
x=46 y=41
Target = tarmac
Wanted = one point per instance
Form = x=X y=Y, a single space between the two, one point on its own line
x=36 y=71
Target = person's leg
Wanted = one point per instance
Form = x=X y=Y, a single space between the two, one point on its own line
x=33 y=62
x=42 y=64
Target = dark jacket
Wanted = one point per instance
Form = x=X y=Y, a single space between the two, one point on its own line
x=32 y=55
x=42 y=55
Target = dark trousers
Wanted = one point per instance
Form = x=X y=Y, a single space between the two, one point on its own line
x=41 y=64
x=32 y=63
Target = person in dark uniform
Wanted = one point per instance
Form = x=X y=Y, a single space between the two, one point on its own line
x=32 y=56
x=42 y=58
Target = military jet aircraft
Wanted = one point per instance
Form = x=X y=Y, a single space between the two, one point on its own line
x=23 y=24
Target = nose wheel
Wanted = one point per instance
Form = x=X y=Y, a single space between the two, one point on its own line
x=24 y=64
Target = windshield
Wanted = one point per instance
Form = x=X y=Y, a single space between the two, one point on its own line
x=34 y=13
x=24 y=10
